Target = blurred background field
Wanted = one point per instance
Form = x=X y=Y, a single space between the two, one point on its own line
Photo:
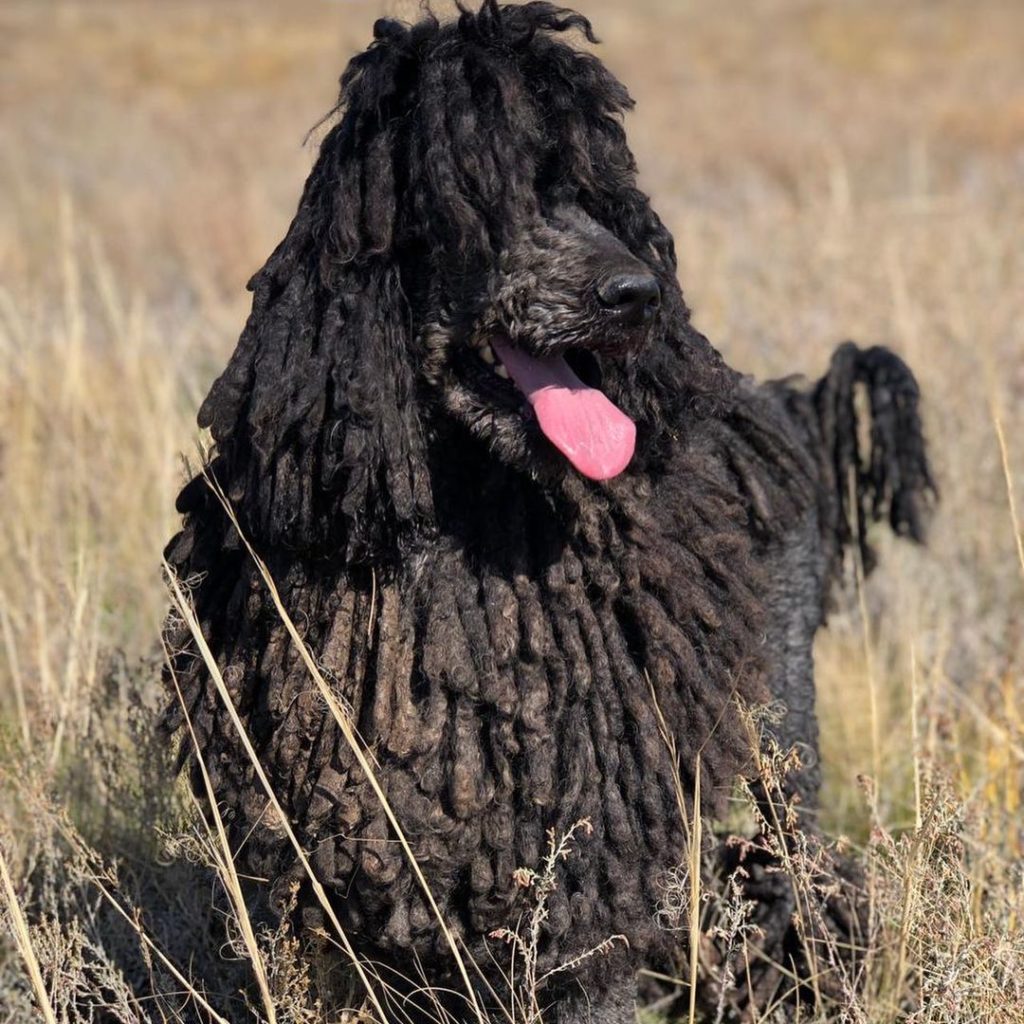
x=829 y=169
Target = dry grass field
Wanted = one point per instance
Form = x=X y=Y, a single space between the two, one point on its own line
x=830 y=169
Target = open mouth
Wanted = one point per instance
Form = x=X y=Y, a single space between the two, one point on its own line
x=594 y=434
x=486 y=352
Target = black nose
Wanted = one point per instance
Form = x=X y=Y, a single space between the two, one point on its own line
x=633 y=297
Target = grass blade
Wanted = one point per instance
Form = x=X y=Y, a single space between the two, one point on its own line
x=24 y=942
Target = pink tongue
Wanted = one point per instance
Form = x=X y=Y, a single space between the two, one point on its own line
x=596 y=436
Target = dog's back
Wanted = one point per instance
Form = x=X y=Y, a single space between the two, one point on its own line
x=860 y=424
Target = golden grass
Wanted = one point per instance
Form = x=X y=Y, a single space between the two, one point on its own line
x=828 y=169
x=225 y=864
x=19 y=926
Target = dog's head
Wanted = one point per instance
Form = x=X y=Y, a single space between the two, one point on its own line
x=471 y=252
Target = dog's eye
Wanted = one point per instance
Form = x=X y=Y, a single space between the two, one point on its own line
x=569 y=194
x=554 y=187
x=559 y=201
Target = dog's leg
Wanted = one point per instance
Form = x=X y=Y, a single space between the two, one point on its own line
x=797 y=572
x=790 y=925
x=861 y=423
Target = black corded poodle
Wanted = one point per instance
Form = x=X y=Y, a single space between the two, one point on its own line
x=531 y=527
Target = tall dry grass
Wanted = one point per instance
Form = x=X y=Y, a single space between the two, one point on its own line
x=829 y=170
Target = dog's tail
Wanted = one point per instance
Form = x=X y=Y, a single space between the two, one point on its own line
x=873 y=448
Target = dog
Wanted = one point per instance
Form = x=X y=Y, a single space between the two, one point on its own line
x=540 y=541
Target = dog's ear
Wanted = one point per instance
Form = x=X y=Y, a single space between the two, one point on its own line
x=318 y=441
x=319 y=445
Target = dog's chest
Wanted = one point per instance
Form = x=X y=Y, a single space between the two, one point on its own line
x=544 y=674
